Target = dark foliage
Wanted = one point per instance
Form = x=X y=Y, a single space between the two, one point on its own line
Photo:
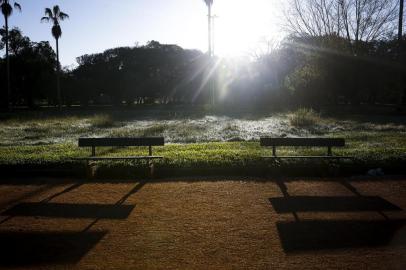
x=303 y=71
x=32 y=66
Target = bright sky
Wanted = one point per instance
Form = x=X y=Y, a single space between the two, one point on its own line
x=96 y=25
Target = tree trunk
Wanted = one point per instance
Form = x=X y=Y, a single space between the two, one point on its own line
x=8 y=88
x=58 y=69
x=401 y=56
x=400 y=31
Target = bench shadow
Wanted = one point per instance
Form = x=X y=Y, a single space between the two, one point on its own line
x=337 y=234
x=23 y=249
x=120 y=202
x=312 y=235
x=331 y=204
x=65 y=210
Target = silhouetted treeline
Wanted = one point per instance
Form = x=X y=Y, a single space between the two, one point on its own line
x=305 y=71
x=146 y=74
x=32 y=65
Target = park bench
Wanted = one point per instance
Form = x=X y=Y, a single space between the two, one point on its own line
x=121 y=142
x=304 y=142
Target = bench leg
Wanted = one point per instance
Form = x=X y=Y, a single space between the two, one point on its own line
x=151 y=169
x=89 y=174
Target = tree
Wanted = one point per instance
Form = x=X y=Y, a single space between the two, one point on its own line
x=400 y=30
x=356 y=20
x=54 y=16
x=16 y=40
x=7 y=10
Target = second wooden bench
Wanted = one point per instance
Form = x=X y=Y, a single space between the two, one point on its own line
x=304 y=142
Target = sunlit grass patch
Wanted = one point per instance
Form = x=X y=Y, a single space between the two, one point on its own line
x=304 y=117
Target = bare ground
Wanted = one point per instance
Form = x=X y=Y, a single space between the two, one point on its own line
x=206 y=224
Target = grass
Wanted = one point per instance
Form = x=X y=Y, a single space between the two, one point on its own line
x=377 y=149
x=102 y=121
x=52 y=141
x=304 y=117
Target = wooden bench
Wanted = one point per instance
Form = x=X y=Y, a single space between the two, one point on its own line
x=121 y=142
x=304 y=142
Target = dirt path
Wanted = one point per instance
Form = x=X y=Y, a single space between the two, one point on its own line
x=236 y=224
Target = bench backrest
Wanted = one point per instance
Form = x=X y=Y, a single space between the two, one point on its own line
x=105 y=142
x=316 y=142
x=322 y=142
x=151 y=141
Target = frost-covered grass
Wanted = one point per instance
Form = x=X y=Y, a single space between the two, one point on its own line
x=196 y=140
x=46 y=130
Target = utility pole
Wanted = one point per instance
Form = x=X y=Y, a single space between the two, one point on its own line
x=213 y=33
x=209 y=32
x=212 y=81
x=210 y=70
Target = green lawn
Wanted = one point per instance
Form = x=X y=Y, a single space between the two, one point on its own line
x=376 y=147
x=45 y=141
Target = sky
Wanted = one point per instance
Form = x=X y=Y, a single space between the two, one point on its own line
x=97 y=25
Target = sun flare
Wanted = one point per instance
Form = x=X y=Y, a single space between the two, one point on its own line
x=239 y=27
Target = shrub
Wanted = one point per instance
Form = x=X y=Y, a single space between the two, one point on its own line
x=304 y=117
x=155 y=130
x=102 y=121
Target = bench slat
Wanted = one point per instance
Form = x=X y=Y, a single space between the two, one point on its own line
x=147 y=141
x=310 y=157
x=322 y=142
x=119 y=158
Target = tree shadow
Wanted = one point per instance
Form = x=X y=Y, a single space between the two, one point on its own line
x=65 y=210
x=336 y=234
x=19 y=249
x=68 y=189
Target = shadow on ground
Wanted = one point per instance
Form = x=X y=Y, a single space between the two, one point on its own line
x=335 y=234
x=65 y=210
x=331 y=204
x=36 y=248
x=23 y=249
x=312 y=235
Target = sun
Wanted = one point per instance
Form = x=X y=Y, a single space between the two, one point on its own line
x=239 y=26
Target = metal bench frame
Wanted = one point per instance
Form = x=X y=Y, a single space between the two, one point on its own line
x=304 y=142
x=121 y=142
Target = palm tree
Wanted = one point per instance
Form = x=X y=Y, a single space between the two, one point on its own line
x=400 y=31
x=54 y=16
x=7 y=10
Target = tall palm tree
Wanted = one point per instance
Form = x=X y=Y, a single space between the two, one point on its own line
x=400 y=32
x=7 y=10
x=209 y=4
x=54 y=16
